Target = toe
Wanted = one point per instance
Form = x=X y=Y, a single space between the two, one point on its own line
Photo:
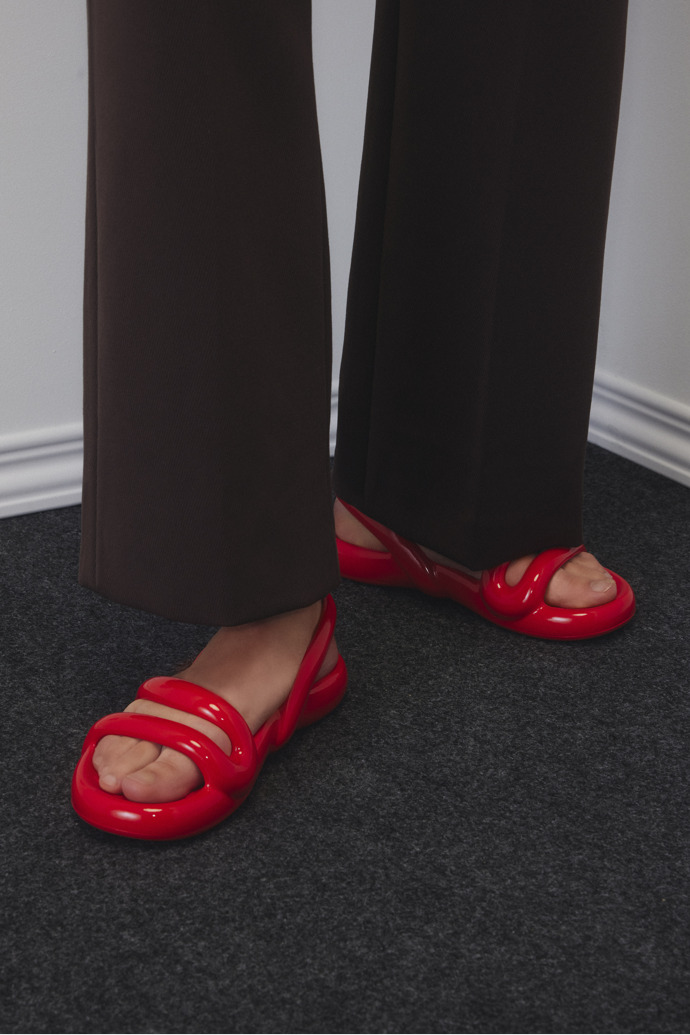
x=116 y=757
x=170 y=777
x=352 y=531
x=582 y=582
x=146 y=772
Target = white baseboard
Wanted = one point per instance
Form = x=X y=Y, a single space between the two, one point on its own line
x=40 y=469
x=641 y=425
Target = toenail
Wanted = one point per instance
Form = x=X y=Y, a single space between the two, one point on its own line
x=601 y=585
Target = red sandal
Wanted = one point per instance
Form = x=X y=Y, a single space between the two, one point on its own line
x=521 y=608
x=228 y=779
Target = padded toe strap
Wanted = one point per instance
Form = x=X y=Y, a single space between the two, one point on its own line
x=217 y=768
x=523 y=598
x=196 y=700
x=229 y=773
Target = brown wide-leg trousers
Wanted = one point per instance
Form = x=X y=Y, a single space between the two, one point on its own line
x=472 y=311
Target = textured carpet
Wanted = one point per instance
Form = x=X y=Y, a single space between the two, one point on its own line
x=489 y=835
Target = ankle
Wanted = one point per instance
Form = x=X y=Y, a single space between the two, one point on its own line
x=352 y=531
x=253 y=666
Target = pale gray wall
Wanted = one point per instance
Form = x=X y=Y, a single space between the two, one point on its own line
x=42 y=179
x=641 y=405
x=642 y=399
x=342 y=32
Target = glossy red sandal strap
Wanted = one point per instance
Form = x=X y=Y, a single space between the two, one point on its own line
x=196 y=700
x=526 y=595
x=217 y=768
x=289 y=713
x=419 y=568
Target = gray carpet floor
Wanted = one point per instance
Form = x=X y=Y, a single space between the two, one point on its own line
x=489 y=835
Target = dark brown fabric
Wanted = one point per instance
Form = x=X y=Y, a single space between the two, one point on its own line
x=473 y=302
x=474 y=294
x=207 y=398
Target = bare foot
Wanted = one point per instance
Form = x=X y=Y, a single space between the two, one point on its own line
x=581 y=582
x=251 y=666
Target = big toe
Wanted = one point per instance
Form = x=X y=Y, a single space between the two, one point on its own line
x=116 y=757
x=170 y=777
x=581 y=583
